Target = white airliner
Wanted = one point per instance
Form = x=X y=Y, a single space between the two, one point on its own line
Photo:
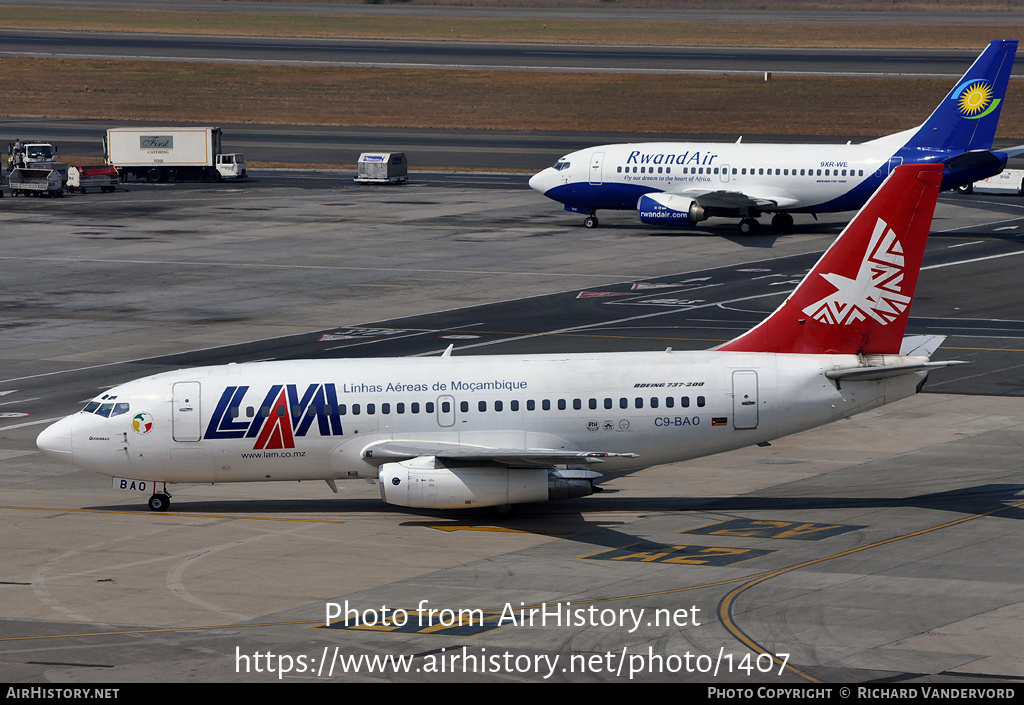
x=450 y=432
x=683 y=183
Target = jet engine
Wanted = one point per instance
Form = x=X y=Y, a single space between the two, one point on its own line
x=425 y=482
x=669 y=209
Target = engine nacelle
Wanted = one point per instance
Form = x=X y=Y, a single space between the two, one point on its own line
x=424 y=482
x=669 y=209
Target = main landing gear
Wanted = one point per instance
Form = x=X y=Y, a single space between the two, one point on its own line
x=160 y=500
x=590 y=221
x=782 y=223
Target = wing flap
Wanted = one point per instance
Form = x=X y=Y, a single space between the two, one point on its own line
x=398 y=451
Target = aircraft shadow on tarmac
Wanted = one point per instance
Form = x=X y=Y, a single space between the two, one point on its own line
x=562 y=520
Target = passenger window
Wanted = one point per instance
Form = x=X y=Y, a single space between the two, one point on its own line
x=623 y=403
x=429 y=407
x=514 y=405
x=342 y=409
x=607 y=403
x=684 y=402
x=384 y=409
x=654 y=402
x=592 y=403
x=234 y=412
x=700 y=401
x=546 y=405
x=561 y=404
x=530 y=405
x=639 y=402
x=250 y=412
x=400 y=408
x=498 y=406
x=481 y=406
x=464 y=406
x=414 y=407
x=370 y=408
x=355 y=410
x=670 y=402
x=446 y=407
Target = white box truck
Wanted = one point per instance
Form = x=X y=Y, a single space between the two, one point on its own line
x=159 y=154
x=1006 y=181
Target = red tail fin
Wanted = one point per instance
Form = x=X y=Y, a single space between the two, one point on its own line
x=857 y=297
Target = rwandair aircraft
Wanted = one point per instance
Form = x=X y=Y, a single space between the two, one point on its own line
x=683 y=183
x=493 y=431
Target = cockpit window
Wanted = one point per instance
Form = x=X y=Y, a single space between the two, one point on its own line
x=559 y=165
x=108 y=410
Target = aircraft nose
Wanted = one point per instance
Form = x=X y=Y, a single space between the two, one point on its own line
x=55 y=440
x=539 y=181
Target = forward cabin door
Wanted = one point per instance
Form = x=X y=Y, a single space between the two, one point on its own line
x=744 y=399
x=597 y=168
x=185 y=412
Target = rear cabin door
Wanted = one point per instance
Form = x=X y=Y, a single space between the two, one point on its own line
x=185 y=412
x=744 y=399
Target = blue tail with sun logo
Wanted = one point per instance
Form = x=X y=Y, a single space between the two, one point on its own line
x=967 y=118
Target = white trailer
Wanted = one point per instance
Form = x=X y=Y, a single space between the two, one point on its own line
x=1006 y=181
x=382 y=168
x=81 y=178
x=159 y=154
x=36 y=182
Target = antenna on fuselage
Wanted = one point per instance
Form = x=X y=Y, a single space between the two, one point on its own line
x=448 y=350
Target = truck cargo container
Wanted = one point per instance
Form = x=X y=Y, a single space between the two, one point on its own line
x=382 y=168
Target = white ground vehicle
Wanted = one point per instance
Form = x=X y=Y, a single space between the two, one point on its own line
x=38 y=156
x=159 y=154
x=36 y=182
x=382 y=168
x=1007 y=181
x=81 y=178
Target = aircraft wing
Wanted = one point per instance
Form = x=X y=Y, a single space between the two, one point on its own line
x=397 y=451
x=723 y=198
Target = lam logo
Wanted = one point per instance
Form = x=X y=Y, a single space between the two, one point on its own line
x=875 y=292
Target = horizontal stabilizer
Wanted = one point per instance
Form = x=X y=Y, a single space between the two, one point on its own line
x=923 y=345
x=876 y=372
x=978 y=159
x=1013 y=151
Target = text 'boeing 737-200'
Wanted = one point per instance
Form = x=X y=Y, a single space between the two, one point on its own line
x=682 y=183
x=450 y=432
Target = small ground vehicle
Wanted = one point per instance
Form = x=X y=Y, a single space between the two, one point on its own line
x=100 y=177
x=36 y=182
x=382 y=168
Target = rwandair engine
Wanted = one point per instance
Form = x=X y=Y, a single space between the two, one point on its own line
x=425 y=482
x=668 y=209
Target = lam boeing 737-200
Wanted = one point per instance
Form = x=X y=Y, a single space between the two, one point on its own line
x=450 y=432
x=683 y=183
